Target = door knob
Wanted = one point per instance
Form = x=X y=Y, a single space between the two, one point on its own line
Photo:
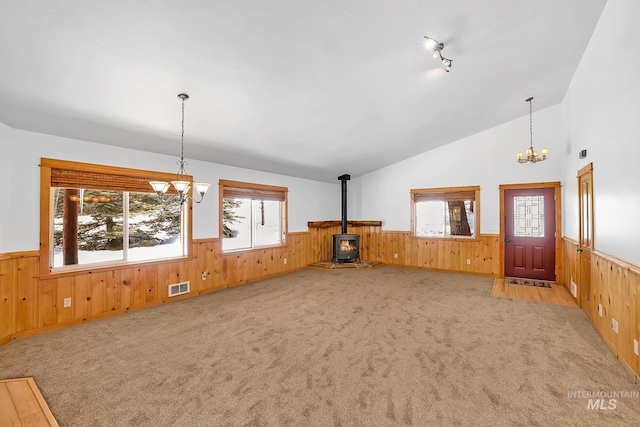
x=579 y=250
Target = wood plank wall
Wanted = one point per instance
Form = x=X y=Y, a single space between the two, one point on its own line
x=570 y=266
x=32 y=304
x=401 y=249
x=616 y=285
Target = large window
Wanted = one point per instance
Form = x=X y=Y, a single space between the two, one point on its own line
x=253 y=215
x=445 y=212
x=101 y=215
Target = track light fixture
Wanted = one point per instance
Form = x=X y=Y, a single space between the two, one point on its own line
x=436 y=47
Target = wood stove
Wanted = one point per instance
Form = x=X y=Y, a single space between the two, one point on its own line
x=346 y=247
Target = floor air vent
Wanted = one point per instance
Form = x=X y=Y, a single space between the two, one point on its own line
x=178 y=289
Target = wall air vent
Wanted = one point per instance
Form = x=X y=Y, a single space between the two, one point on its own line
x=179 y=289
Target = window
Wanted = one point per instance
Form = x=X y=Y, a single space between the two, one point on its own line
x=105 y=215
x=445 y=212
x=528 y=216
x=253 y=215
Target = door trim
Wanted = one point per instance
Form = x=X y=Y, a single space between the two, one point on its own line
x=558 y=231
x=585 y=300
x=588 y=169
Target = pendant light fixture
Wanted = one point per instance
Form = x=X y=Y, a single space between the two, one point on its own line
x=181 y=184
x=531 y=154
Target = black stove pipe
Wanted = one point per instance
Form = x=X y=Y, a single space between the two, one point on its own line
x=344 y=178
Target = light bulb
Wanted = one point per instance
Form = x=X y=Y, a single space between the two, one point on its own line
x=181 y=186
x=160 y=187
x=201 y=187
x=429 y=43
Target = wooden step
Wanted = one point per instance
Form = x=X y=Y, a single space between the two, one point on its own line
x=22 y=404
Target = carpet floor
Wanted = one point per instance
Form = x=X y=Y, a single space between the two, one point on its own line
x=351 y=347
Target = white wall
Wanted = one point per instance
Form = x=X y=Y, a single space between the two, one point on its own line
x=7 y=190
x=601 y=113
x=20 y=180
x=487 y=159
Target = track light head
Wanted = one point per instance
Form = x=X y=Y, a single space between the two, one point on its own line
x=436 y=47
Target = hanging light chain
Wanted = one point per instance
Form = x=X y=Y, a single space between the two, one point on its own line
x=182 y=172
x=531 y=155
x=530 y=121
x=182 y=185
x=182 y=136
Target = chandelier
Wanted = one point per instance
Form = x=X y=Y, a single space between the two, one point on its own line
x=435 y=46
x=531 y=154
x=182 y=185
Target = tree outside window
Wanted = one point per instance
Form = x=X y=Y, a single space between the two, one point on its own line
x=445 y=212
x=253 y=215
x=103 y=214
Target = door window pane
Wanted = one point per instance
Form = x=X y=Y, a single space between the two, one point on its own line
x=585 y=210
x=528 y=216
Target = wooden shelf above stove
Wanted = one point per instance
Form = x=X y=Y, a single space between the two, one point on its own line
x=338 y=223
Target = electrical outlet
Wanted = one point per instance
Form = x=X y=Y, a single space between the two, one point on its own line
x=67 y=302
x=635 y=347
x=395 y=256
x=614 y=325
x=600 y=310
x=285 y=261
x=468 y=261
x=204 y=275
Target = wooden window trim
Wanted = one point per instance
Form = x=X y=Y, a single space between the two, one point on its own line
x=444 y=194
x=48 y=165
x=283 y=197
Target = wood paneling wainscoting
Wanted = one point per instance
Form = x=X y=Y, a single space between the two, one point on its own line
x=31 y=303
x=402 y=249
x=615 y=284
x=570 y=267
x=18 y=293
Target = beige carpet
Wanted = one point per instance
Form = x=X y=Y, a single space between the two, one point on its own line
x=379 y=347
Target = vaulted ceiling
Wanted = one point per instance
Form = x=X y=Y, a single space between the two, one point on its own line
x=305 y=88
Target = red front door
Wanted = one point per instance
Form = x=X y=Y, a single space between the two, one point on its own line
x=530 y=226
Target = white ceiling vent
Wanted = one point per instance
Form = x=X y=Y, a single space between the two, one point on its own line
x=178 y=289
